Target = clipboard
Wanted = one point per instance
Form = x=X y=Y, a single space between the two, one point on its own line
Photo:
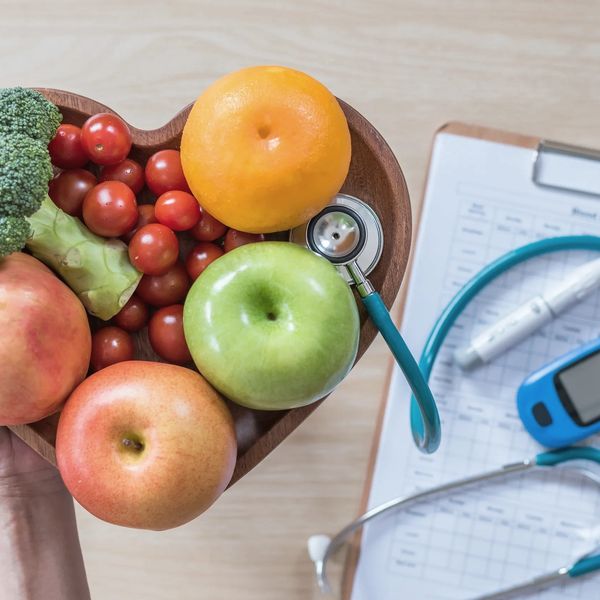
x=544 y=152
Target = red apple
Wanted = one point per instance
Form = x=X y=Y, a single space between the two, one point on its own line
x=147 y=445
x=45 y=340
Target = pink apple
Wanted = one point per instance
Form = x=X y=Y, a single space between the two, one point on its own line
x=45 y=340
x=146 y=445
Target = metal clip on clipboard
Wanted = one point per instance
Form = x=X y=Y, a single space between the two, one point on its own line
x=566 y=167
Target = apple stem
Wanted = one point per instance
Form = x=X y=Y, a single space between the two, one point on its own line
x=133 y=444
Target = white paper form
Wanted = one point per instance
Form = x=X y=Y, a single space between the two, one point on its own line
x=480 y=202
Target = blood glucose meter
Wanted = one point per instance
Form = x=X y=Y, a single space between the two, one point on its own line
x=560 y=403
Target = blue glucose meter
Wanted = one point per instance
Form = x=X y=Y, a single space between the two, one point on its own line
x=560 y=403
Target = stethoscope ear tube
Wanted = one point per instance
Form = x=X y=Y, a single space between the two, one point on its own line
x=322 y=547
x=464 y=296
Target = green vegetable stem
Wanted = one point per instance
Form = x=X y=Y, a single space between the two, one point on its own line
x=96 y=269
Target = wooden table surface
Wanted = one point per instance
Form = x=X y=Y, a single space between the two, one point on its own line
x=408 y=66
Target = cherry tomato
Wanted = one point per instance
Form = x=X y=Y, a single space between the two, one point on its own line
x=106 y=139
x=235 y=239
x=110 y=345
x=66 y=151
x=133 y=316
x=129 y=172
x=164 y=172
x=162 y=290
x=154 y=249
x=200 y=256
x=165 y=331
x=110 y=209
x=177 y=210
x=146 y=216
x=208 y=228
x=69 y=188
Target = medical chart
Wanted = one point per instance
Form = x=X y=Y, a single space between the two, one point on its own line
x=481 y=202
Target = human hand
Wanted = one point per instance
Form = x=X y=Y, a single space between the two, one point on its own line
x=39 y=546
x=22 y=468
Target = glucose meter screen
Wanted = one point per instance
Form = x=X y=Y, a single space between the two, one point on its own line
x=581 y=382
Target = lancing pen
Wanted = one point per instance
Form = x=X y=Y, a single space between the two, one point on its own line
x=529 y=317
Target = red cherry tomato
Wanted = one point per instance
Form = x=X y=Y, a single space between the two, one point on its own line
x=110 y=345
x=133 y=316
x=69 y=188
x=110 y=209
x=106 y=139
x=200 y=256
x=177 y=210
x=129 y=172
x=165 y=331
x=154 y=249
x=208 y=228
x=66 y=151
x=235 y=239
x=162 y=290
x=164 y=172
x=146 y=216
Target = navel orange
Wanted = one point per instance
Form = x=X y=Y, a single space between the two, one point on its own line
x=265 y=148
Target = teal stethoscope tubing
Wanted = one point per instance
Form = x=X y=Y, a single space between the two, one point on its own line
x=424 y=431
x=427 y=435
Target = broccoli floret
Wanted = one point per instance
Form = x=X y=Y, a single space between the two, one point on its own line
x=26 y=111
x=14 y=233
x=96 y=269
x=25 y=170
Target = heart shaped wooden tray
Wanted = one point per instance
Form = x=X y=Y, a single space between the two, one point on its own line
x=374 y=177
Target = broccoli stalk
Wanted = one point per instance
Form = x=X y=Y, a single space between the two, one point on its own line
x=96 y=269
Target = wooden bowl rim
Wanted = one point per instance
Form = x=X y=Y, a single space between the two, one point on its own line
x=168 y=135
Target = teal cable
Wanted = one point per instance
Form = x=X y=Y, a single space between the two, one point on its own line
x=464 y=296
x=557 y=457
x=586 y=565
x=429 y=441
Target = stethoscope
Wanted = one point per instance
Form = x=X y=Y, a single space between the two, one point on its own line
x=341 y=233
x=348 y=233
x=321 y=547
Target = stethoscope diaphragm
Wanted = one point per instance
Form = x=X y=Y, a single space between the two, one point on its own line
x=354 y=222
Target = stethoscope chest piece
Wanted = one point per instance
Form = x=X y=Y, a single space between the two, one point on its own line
x=348 y=233
x=347 y=229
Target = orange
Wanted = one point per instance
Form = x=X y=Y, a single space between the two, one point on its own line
x=265 y=148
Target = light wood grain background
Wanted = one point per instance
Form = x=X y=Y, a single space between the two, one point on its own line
x=409 y=66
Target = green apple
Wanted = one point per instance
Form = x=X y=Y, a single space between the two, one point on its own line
x=272 y=325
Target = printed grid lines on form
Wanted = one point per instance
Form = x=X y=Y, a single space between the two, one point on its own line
x=491 y=532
